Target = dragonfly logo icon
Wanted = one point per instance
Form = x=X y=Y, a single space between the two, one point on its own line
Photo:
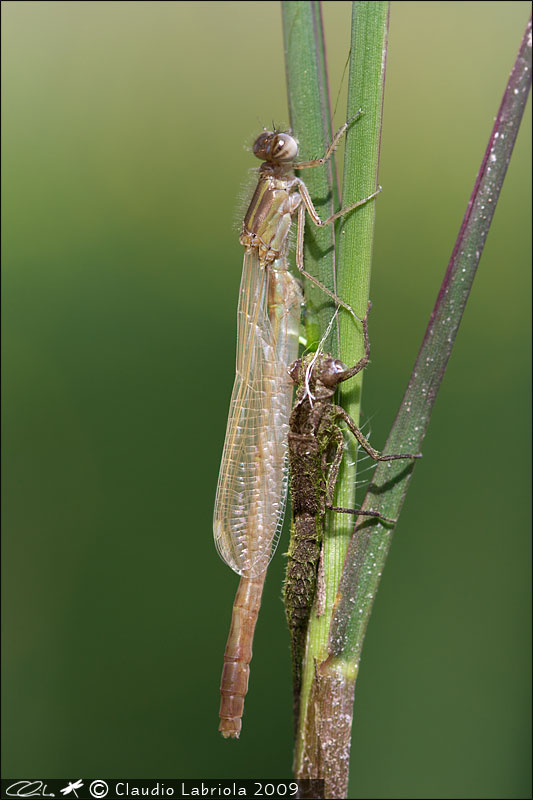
x=71 y=788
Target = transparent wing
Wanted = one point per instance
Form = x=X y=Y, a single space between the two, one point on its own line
x=252 y=484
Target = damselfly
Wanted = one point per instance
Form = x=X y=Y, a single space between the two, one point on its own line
x=316 y=448
x=252 y=484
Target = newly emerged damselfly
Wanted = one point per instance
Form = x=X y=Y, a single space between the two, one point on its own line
x=252 y=484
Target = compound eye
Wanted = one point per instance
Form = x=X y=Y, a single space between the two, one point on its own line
x=285 y=148
x=262 y=145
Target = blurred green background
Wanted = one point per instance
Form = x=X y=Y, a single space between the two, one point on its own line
x=123 y=133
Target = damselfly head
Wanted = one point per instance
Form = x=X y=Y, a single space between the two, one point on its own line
x=275 y=146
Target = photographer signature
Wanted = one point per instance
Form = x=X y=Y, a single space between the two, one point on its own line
x=28 y=789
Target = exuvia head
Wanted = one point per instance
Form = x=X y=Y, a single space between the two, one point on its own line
x=274 y=146
x=324 y=369
x=331 y=371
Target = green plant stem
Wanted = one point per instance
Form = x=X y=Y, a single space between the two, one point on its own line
x=322 y=748
x=310 y=117
x=322 y=751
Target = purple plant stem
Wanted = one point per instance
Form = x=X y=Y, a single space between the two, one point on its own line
x=369 y=546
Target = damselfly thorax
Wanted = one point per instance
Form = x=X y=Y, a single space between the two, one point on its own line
x=268 y=221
